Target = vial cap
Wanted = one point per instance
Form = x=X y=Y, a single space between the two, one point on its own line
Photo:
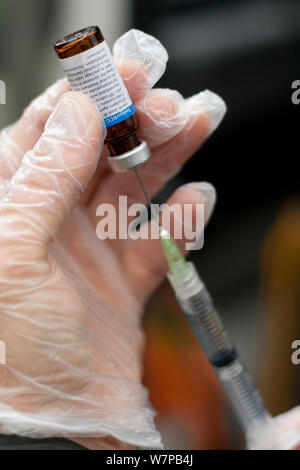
x=131 y=159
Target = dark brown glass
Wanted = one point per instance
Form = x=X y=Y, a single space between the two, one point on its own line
x=121 y=137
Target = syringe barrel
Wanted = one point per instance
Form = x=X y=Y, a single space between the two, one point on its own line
x=208 y=327
x=244 y=398
x=217 y=345
x=199 y=309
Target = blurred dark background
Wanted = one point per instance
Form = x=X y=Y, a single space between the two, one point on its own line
x=247 y=51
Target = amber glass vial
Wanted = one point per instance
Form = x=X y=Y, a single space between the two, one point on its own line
x=88 y=65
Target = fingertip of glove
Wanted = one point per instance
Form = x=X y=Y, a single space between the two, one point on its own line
x=162 y=106
x=210 y=103
x=135 y=45
x=206 y=192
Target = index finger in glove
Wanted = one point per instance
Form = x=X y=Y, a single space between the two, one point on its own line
x=141 y=60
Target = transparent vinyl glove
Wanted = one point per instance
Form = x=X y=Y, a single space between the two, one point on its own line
x=71 y=304
x=287 y=428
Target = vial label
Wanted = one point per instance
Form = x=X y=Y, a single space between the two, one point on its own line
x=94 y=73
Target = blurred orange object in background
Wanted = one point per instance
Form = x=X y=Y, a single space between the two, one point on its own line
x=184 y=389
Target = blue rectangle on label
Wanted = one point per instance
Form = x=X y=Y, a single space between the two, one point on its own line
x=119 y=117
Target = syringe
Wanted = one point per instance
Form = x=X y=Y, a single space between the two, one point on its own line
x=200 y=311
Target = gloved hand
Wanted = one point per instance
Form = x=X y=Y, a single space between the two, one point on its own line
x=71 y=304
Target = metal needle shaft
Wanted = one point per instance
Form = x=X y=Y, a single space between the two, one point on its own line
x=143 y=188
x=149 y=203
